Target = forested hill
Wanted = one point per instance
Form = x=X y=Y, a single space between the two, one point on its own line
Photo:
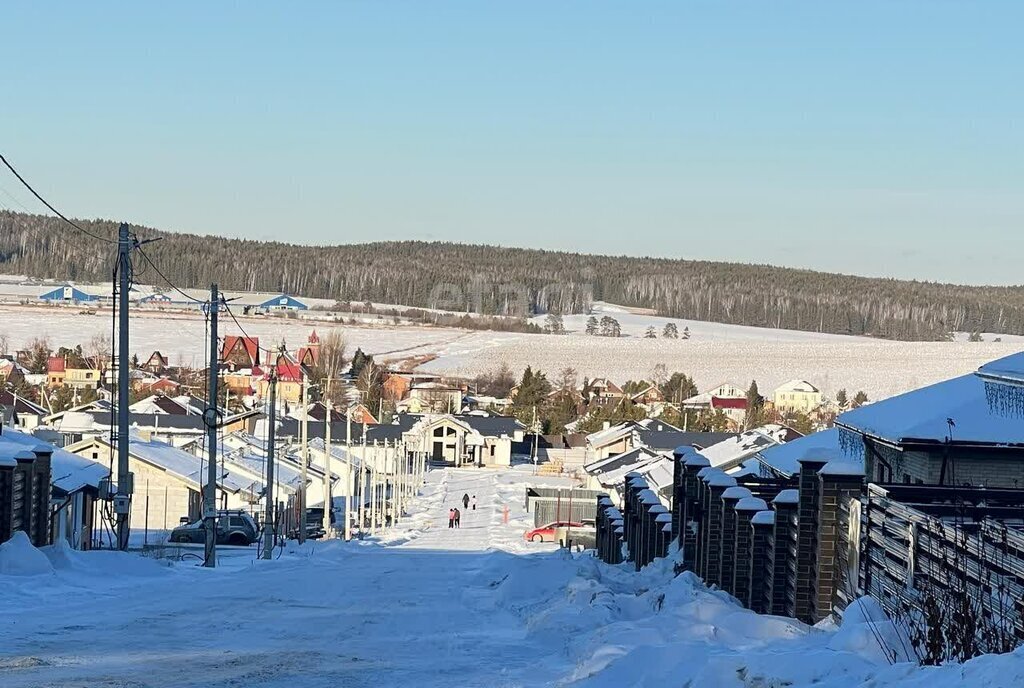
x=449 y=276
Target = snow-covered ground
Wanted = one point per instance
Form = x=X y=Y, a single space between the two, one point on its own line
x=423 y=606
x=715 y=353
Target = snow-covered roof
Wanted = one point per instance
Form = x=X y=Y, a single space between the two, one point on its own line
x=763 y=518
x=724 y=390
x=751 y=504
x=68 y=472
x=791 y=496
x=733 y=451
x=797 y=386
x=921 y=415
x=736 y=492
x=785 y=458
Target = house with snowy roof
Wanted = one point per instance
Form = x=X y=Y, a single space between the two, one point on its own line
x=702 y=401
x=731 y=453
x=169 y=481
x=73 y=482
x=965 y=431
x=783 y=460
x=798 y=396
x=20 y=412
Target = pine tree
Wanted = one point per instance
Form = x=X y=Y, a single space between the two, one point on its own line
x=859 y=399
x=592 y=325
x=670 y=331
x=650 y=333
x=686 y=333
x=755 y=407
x=554 y=324
x=841 y=398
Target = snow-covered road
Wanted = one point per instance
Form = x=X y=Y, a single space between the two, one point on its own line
x=423 y=606
x=415 y=613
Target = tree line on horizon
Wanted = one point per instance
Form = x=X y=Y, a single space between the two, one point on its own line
x=521 y=282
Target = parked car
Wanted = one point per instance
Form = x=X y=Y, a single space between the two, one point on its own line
x=233 y=528
x=314 y=524
x=546 y=533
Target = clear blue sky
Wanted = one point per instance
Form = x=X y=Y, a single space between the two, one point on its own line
x=878 y=138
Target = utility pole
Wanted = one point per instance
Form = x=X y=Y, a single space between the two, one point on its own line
x=123 y=500
x=351 y=474
x=362 y=484
x=328 y=499
x=373 y=491
x=305 y=458
x=270 y=517
x=210 y=420
x=533 y=428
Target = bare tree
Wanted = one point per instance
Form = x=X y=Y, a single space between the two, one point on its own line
x=97 y=351
x=567 y=379
x=5 y=343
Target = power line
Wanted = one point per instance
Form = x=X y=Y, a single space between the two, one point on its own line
x=42 y=200
x=171 y=284
x=242 y=329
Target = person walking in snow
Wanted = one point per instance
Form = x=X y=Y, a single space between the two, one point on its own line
x=458 y=515
x=465 y=501
x=451 y=518
x=474 y=502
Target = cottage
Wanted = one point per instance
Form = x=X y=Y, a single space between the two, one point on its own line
x=240 y=352
x=729 y=454
x=798 y=396
x=963 y=431
x=24 y=414
x=463 y=439
x=156 y=363
x=702 y=401
x=168 y=482
x=436 y=397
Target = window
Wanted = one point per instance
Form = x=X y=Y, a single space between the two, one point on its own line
x=492 y=450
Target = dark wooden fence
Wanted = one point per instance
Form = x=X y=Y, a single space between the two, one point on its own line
x=949 y=564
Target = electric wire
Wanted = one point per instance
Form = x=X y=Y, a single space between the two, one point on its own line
x=58 y=213
x=171 y=284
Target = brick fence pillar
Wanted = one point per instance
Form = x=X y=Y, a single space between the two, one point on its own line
x=782 y=592
x=717 y=484
x=762 y=523
x=838 y=482
x=727 y=551
x=743 y=548
x=679 y=457
x=691 y=514
x=807 y=538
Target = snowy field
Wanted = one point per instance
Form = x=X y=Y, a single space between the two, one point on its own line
x=425 y=606
x=715 y=353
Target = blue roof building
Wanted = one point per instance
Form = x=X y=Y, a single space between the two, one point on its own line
x=68 y=294
x=283 y=302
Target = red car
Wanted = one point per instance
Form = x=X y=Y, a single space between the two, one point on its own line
x=547 y=533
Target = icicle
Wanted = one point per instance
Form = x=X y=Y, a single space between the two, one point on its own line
x=1006 y=399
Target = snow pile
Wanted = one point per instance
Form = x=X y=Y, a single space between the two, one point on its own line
x=653 y=628
x=868 y=632
x=18 y=557
x=100 y=563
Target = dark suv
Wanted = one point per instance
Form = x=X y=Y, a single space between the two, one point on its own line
x=233 y=528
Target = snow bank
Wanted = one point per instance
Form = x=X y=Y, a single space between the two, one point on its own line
x=18 y=557
x=100 y=563
x=868 y=632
